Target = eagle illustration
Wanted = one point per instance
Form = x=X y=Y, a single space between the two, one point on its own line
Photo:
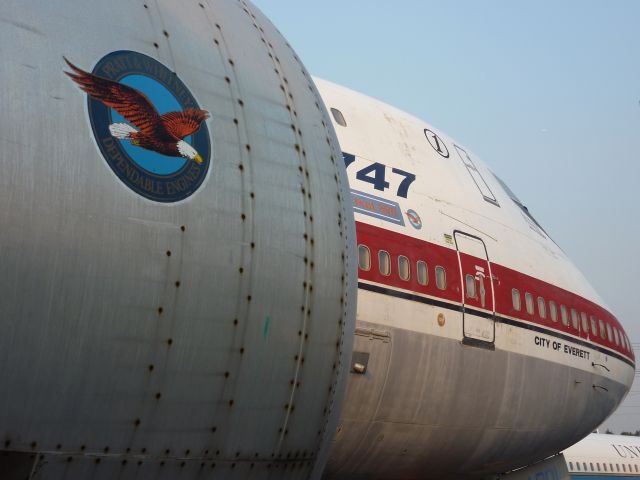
x=160 y=133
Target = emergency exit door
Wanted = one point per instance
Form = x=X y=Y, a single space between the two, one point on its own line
x=478 y=303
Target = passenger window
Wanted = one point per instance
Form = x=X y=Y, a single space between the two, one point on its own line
x=574 y=319
x=615 y=336
x=602 y=332
x=384 y=263
x=515 y=298
x=423 y=273
x=338 y=117
x=542 y=308
x=441 y=278
x=470 y=286
x=604 y=466
x=528 y=300
x=364 y=258
x=570 y=465
x=609 y=333
x=403 y=267
x=594 y=325
x=553 y=311
x=564 y=315
x=624 y=468
x=585 y=322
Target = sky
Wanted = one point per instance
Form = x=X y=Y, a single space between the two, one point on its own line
x=547 y=93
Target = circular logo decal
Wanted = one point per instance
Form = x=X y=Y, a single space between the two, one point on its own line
x=147 y=124
x=414 y=219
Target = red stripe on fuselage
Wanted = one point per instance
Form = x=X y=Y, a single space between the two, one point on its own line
x=505 y=279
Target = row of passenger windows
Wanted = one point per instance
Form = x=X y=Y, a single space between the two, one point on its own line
x=583 y=466
x=589 y=325
x=404 y=267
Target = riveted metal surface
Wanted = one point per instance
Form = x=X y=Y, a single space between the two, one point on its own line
x=208 y=335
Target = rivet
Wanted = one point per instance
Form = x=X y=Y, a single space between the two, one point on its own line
x=58 y=447
x=177 y=283
x=213 y=430
x=241 y=103
x=201 y=5
x=231 y=403
x=235 y=321
x=106 y=449
x=248 y=298
x=243 y=216
x=241 y=167
x=139 y=462
x=151 y=367
x=69 y=459
x=146 y=6
x=144 y=450
x=124 y=462
x=218 y=26
x=253 y=245
x=252 y=195
x=183 y=228
x=167 y=451
x=136 y=422
x=182 y=464
x=242 y=351
x=226 y=374
x=158 y=395
x=169 y=341
x=160 y=310
x=33 y=444
x=187 y=451
x=97 y=460
x=235 y=120
x=168 y=253
x=215 y=40
x=248 y=147
x=156 y=45
x=231 y=62
x=166 y=34
x=82 y=447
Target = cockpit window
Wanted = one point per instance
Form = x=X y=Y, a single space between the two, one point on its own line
x=522 y=207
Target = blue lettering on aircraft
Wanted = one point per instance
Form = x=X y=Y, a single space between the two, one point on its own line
x=376 y=174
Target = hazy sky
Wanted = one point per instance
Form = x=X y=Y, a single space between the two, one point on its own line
x=546 y=92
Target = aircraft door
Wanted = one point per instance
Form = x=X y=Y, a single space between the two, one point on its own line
x=478 y=315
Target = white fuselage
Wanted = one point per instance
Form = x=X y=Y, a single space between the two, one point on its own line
x=483 y=346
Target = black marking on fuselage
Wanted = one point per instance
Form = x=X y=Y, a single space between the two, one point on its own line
x=508 y=321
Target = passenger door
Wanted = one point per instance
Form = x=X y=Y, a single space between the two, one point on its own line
x=478 y=313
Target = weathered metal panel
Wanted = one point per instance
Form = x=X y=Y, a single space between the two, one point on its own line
x=211 y=330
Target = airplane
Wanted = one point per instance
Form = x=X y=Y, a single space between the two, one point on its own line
x=482 y=344
x=189 y=310
x=597 y=456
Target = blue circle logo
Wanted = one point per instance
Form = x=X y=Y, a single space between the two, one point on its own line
x=414 y=219
x=147 y=124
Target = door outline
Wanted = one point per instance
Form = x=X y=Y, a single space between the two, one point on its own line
x=465 y=338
